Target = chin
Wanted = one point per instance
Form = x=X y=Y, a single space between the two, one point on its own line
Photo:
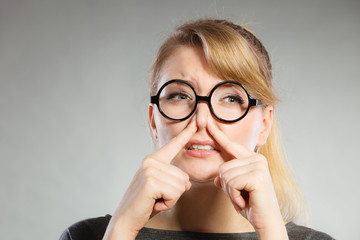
x=199 y=169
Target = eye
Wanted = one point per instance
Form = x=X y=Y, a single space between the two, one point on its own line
x=177 y=96
x=233 y=99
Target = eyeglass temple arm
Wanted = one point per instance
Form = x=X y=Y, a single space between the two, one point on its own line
x=254 y=102
x=154 y=99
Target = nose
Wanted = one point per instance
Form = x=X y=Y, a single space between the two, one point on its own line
x=201 y=114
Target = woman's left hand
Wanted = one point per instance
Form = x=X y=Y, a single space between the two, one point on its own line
x=247 y=182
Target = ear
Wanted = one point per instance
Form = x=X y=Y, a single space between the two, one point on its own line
x=266 y=125
x=152 y=124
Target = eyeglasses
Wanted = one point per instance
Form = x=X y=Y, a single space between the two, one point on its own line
x=228 y=101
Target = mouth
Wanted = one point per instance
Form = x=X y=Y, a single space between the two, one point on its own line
x=198 y=148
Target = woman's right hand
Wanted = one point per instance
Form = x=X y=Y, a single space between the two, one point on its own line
x=156 y=187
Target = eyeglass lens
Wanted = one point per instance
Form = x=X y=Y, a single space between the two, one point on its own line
x=228 y=101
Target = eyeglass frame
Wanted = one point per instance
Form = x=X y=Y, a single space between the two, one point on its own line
x=252 y=101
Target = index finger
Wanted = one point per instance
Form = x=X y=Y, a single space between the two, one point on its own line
x=172 y=148
x=235 y=149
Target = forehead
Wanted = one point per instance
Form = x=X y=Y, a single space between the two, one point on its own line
x=188 y=63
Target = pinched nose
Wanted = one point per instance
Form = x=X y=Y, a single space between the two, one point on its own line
x=202 y=115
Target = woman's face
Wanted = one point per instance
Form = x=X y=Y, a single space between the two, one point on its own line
x=188 y=63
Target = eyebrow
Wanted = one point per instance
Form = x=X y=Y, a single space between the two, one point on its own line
x=191 y=82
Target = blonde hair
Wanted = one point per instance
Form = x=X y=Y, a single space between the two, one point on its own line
x=234 y=53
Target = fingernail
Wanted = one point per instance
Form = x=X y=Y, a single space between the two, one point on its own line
x=208 y=121
x=188 y=186
x=217 y=182
x=193 y=120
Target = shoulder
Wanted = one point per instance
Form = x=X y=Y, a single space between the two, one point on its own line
x=89 y=229
x=300 y=232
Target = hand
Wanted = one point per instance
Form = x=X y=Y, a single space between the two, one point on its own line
x=247 y=182
x=156 y=187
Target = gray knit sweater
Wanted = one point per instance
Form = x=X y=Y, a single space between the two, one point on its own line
x=94 y=229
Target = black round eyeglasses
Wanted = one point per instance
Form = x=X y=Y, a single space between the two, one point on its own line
x=228 y=101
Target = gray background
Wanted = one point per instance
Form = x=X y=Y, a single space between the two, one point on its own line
x=73 y=103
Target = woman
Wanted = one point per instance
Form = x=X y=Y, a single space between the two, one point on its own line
x=219 y=172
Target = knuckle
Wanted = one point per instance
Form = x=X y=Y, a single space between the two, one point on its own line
x=186 y=182
x=150 y=172
x=261 y=163
x=180 y=174
x=148 y=162
x=180 y=191
x=222 y=168
x=261 y=166
x=177 y=190
x=231 y=183
x=226 y=177
x=258 y=175
x=178 y=194
x=262 y=159
x=183 y=183
x=186 y=176
x=150 y=183
x=173 y=196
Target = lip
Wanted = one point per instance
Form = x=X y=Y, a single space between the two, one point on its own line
x=201 y=153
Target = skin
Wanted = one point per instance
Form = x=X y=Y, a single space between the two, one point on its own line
x=230 y=191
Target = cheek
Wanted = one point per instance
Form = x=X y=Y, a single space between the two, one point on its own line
x=245 y=132
x=166 y=129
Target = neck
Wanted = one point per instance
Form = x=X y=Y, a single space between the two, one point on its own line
x=204 y=208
